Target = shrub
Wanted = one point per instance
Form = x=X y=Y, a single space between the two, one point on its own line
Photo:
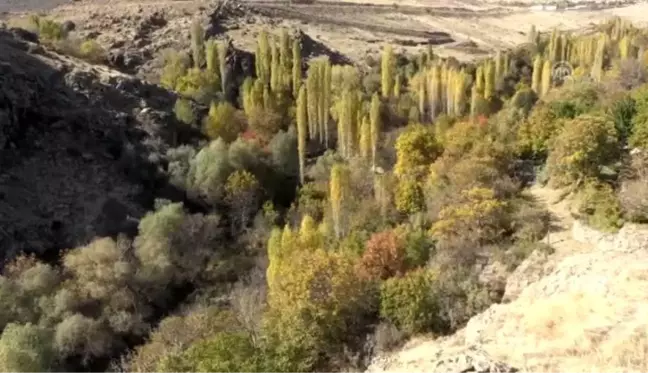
x=633 y=194
x=82 y=335
x=26 y=348
x=408 y=302
x=639 y=136
x=547 y=118
x=175 y=334
x=478 y=216
x=459 y=296
x=584 y=145
x=598 y=202
x=621 y=112
x=92 y=51
x=184 y=111
x=409 y=196
x=223 y=121
x=384 y=256
x=175 y=66
x=223 y=352
x=48 y=30
x=208 y=172
x=198 y=84
x=416 y=149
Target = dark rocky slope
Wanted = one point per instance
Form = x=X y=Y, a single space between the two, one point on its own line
x=80 y=148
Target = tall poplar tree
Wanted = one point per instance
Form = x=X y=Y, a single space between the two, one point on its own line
x=275 y=68
x=313 y=100
x=302 y=122
x=213 y=60
x=326 y=90
x=536 y=80
x=489 y=81
x=387 y=71
x=263 y=57
x=546 y=78
x=198 y=44
x=339 y=194
x=365 y=139
x=296 y=67
x=434 y=91
x=376 y=126
x=222 y=62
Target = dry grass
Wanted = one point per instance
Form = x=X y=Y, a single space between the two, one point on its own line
x=603 y=328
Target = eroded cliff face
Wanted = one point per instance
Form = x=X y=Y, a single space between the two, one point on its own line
x=79 y=147
x=582 y=309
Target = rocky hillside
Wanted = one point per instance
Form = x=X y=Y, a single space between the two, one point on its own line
x=580 y=309
x=79 y=147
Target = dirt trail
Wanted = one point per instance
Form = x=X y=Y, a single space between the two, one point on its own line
x=560 y=232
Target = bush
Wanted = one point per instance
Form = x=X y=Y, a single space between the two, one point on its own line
x=175 y=334
x=416 y=149
x=223 y=352
x=26 y=348
x=223 y=121
x=175 y=66
x=621 y=112
x=408 y=302
x=584 y=145
x=639 y=136
x=92 y=51
x=409 y=196
x=478 y=217
x=197 y=84
x=598 y=202
x=384 y=256
x=82 y=335
x=184 y=111
x=633 y=194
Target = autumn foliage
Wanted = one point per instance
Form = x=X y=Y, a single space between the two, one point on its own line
x=384 y=256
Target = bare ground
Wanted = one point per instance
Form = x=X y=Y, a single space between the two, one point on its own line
x=465 y=29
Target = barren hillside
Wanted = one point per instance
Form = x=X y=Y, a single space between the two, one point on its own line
x=462 y=29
